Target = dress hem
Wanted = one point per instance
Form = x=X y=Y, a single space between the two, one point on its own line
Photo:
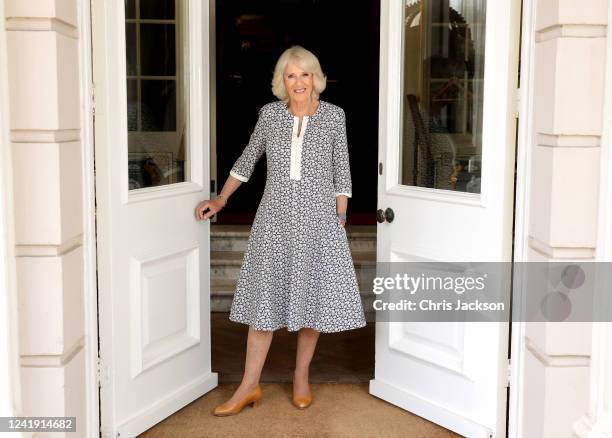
x=279 y=326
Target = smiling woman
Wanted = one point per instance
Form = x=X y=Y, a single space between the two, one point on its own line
x=297 y=270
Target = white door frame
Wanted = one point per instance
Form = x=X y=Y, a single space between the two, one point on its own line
x=90 y=286
x=521 y=211
x=89 y=239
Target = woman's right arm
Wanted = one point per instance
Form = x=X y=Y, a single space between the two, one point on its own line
x=241 y=170
x=215 y=205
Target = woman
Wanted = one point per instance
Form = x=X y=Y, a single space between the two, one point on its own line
x=297 y=270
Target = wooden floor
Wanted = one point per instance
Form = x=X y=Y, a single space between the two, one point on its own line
x=344 y=357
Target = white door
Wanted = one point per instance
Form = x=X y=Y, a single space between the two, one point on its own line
x=446 y=148
x=151 y=76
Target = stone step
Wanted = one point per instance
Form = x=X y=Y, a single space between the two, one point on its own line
x=235 y=237
x=226 y=264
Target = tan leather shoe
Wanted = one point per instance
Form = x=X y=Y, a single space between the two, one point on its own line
x=225 y=409
x=303 y=402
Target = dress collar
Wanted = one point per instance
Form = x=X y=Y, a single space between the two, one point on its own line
x=290 y=114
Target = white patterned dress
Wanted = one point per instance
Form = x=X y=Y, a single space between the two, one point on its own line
x=297 y=270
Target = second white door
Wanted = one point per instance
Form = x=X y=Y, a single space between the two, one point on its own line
x=446 y=151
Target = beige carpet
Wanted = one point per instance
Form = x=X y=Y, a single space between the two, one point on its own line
x=338 y=410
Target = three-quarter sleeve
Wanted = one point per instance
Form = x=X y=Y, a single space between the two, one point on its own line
x=244 y=165
x=341 y=166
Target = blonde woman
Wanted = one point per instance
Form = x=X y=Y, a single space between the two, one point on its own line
x=297 y=270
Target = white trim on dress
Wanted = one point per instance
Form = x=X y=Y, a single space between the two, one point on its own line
x=295 y=167
x=238 y=176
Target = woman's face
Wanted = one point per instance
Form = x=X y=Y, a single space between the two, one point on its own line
x=298 y=82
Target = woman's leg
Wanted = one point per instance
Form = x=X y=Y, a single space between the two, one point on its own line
x=258 y=344
x=306 y=344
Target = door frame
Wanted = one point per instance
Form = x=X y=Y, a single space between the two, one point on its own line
x=523 y=163
x=521 y=210
x=90 y=286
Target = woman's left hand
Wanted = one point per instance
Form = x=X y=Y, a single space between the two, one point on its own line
x=343 y=222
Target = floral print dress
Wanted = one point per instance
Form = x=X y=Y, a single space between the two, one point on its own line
x=297 y=270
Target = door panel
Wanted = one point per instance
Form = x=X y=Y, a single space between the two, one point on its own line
x=446 y=144
x=151 y=64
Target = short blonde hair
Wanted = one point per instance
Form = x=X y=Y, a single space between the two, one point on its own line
x=308 y=61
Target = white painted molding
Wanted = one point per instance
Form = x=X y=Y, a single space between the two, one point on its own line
x=563 y=140
x=45 y=135
x=549 y=360
x=38 y=24
x=597 y=423
x=10 y=395
x=560 y=252
x=53 y=360
x=571 y=31
x=49 y=250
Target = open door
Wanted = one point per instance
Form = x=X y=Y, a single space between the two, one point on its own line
x=151 y=75
x=446 y=146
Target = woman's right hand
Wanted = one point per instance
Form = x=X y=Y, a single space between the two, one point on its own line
x=212 y=205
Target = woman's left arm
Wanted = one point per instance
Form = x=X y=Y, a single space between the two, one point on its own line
x=341 y=166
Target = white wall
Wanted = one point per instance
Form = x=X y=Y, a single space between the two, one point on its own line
x=569 y=68
x=45 y=135
x=10 y=398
